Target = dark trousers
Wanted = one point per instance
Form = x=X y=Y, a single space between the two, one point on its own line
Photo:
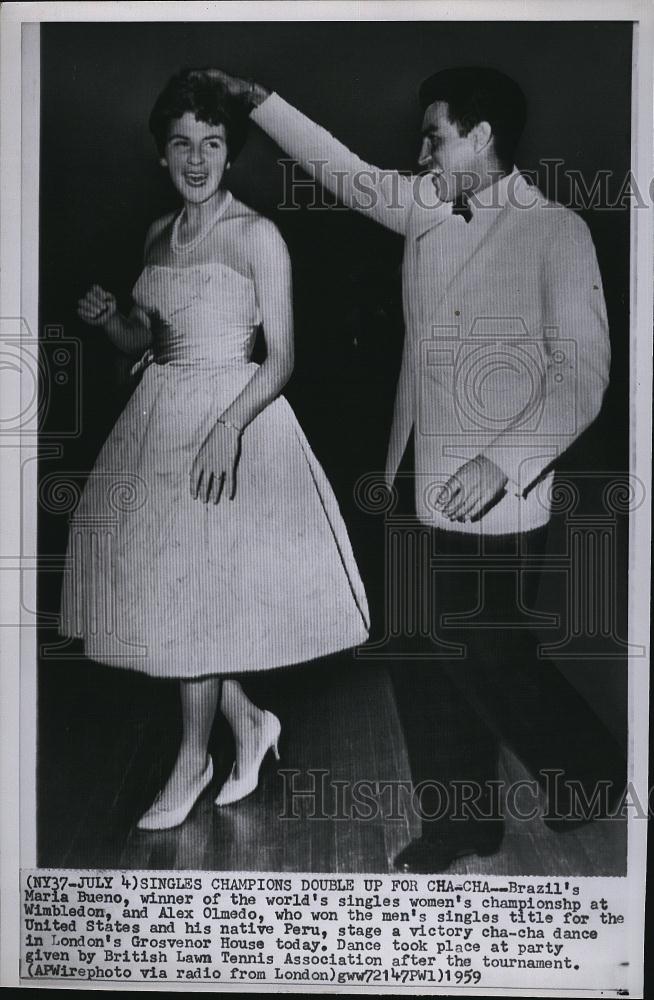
x=481 y=682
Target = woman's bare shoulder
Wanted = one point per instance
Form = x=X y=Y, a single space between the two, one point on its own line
x=157 y=228
x=254 y=225
x=238 y=210
x=246 y=240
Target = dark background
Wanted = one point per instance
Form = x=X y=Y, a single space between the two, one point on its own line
x=101 y=186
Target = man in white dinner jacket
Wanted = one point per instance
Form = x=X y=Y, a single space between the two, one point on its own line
x=505 y=363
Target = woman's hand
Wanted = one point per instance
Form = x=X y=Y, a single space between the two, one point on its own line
x=213 y=473
x=97 y=307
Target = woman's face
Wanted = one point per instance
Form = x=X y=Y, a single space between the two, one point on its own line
x=196 y=155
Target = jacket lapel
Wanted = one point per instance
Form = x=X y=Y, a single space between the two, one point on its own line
x=458 y=246
x=427 y=210
x=471 y=248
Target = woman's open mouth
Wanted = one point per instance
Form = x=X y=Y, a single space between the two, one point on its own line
x=195 y=179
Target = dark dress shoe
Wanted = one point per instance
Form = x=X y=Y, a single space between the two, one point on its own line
x=435 y=854
x=572 y=814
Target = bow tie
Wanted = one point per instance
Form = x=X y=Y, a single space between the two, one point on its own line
x=461 y=206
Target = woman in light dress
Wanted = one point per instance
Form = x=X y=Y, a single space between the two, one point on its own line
x=224 y=551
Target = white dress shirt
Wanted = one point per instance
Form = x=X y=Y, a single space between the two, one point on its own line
x=506 y=349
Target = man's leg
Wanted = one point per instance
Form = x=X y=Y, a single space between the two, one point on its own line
x=526 y=700
x=452 y=751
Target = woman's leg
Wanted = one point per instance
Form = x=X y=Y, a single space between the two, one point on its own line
x=250 y=725
x=199 y=700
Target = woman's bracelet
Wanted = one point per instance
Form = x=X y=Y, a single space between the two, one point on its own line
x=233 y=427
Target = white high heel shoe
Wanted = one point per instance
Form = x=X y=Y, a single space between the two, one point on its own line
x=157 y=818
x=235 y=789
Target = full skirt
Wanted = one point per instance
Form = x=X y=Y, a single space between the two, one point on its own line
x=158 y=582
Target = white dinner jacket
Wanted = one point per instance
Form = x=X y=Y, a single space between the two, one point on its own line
x=506 y=349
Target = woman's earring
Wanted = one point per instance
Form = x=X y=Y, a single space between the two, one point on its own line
x=163 y=162
x=227 y=165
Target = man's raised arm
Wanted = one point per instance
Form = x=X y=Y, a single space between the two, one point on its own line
x=384 y=195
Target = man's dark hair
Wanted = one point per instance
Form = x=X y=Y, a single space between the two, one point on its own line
x=195 y=91
x=477 y=94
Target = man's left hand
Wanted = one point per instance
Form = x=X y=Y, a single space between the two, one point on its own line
x=471 y=489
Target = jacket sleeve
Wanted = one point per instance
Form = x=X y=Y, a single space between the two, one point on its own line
x=571 y=360
x=384 y=195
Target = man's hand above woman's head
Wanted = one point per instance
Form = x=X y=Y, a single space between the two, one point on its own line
x=239 y=88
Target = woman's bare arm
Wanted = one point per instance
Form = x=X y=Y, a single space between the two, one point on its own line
x=213 y=472
x=271 y=268
x=130 y=334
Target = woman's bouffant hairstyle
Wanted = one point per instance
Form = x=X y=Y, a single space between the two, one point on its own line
x=195 y=91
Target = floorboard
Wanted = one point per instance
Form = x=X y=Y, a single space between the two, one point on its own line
x=107 y=740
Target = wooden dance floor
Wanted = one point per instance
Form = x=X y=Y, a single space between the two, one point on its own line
x=108 y=738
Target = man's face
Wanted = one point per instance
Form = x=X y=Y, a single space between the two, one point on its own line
x=447 y=155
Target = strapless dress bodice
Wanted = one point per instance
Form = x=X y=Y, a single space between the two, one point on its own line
x=201 y=315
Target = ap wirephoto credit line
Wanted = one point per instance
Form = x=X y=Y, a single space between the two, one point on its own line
x=326 y=440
